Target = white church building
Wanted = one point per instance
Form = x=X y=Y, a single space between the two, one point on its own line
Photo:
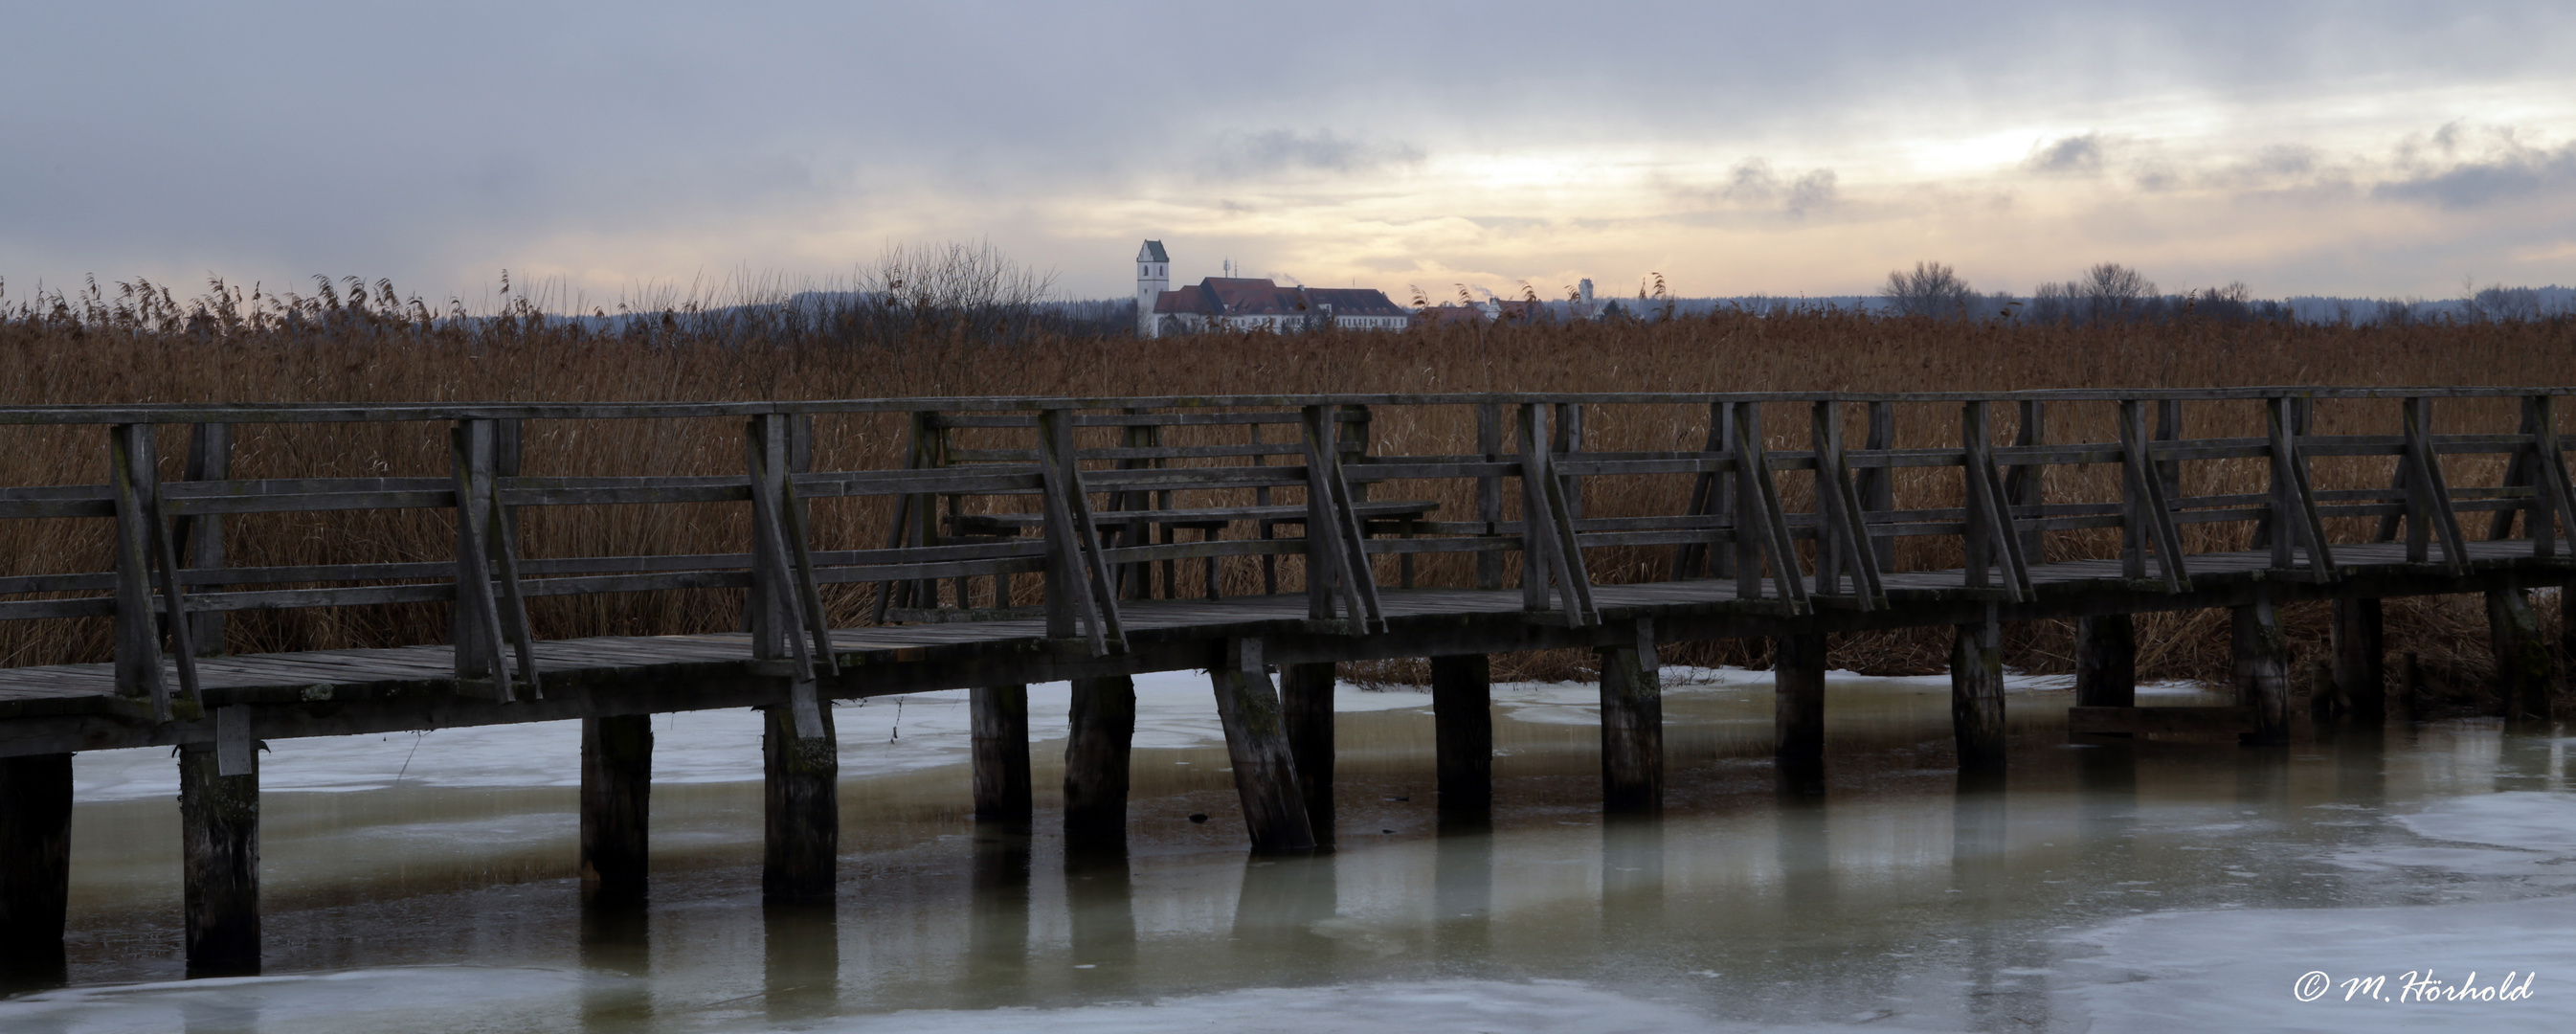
x=1243 y=304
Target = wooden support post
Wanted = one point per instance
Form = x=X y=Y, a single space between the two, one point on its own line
x=219 y=863
x=1977 y=694
x=1103 y=729
x=2360 y=660
x=1798 y=709
x=801 y=815
x=35 y=867
x=1632 y=725
x=2526 y=675
x=2262 y=670
x=1306 y=706
x=2106 y=661
x=1001 y=749
x=616 y=807
x=1256 y=738
x=1462 y=713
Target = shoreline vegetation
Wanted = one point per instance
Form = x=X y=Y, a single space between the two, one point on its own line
x=909 y=333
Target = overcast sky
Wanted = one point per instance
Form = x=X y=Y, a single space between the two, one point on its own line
x=2351 y=147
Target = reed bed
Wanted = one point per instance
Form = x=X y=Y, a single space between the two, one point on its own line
x=48 y=359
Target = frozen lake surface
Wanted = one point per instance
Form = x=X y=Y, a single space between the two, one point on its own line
x=423 y=883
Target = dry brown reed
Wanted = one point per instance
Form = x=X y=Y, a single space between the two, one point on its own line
x=528 y=357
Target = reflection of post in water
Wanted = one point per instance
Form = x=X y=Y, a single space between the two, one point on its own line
x=801 y=949
x=1977 y=832
x=1101 y=901
x=997 y=933
x=1283 y=897
x=1462 y=894
x=1805 y=852
x=1632 y=871
x=616 y=960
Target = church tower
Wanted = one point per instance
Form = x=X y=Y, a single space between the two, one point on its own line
x=1153 y=277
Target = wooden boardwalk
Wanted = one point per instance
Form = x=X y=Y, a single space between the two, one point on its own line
x=1089 y=539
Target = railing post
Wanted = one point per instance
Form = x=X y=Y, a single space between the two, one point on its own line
x=1752 y=523
x=1978 y=540
x=1878 y=484
x=134 y=474
x=201 y=536
x=2025 y=484
x=476 y=619
x=1707 y=499
x=1489 y=493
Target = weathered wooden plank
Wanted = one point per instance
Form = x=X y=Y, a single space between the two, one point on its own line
x=616 y=808
x=1265 y=770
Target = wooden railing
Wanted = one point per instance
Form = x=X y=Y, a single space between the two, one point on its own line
x=1108 y=492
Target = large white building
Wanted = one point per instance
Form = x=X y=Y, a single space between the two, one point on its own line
x=1243 y=304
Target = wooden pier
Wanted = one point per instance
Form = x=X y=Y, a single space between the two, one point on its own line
x=1040 y=539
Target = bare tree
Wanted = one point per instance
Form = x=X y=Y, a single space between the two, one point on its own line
x=1932 y=289
x=2112 y=291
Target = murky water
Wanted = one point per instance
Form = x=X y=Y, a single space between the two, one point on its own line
x=2104 y=888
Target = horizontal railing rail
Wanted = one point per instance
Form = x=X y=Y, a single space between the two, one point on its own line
x=1092 y=495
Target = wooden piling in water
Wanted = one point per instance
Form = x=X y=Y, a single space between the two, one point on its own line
x=1798 y=707
x=1632 y=726
x=1306 y=706
x=801 y=813
x=616 y=807
x=219 y=863
x=35 y=866
x=1977 y=695
x=1462 y=714
x=2360 y=666
x=2106 y=661
x=1096 y=748
x=1256 y=738
x=1001 y=749
x=2262 y=671
x=2526 y=675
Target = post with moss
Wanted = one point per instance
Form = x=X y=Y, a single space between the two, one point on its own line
x=801 y=823
x=1256 y=739
x=1632 y=725
x=2262 y=670
x=1306 y=703
x=1798 y=709
x=616 y=807
x=1096 y=748
x=219 y=856
x=1462 y=713
x=2526 y=674
x=2360 y=667
x=1001 y=748
x=2106 y=661
x=1977 y=694
x=35 y=867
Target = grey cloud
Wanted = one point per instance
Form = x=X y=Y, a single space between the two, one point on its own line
x=1813 y=190
x=2068 y=156
x=1753 y=183
x=1284 y=150
x=2514 y=171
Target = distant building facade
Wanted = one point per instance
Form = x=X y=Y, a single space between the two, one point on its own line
x=1245 y=304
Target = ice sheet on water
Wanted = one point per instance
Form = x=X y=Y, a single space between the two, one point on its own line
x=1444 y=1007
x=2236 y=969
x=2528 y=834
x=382 y=1001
